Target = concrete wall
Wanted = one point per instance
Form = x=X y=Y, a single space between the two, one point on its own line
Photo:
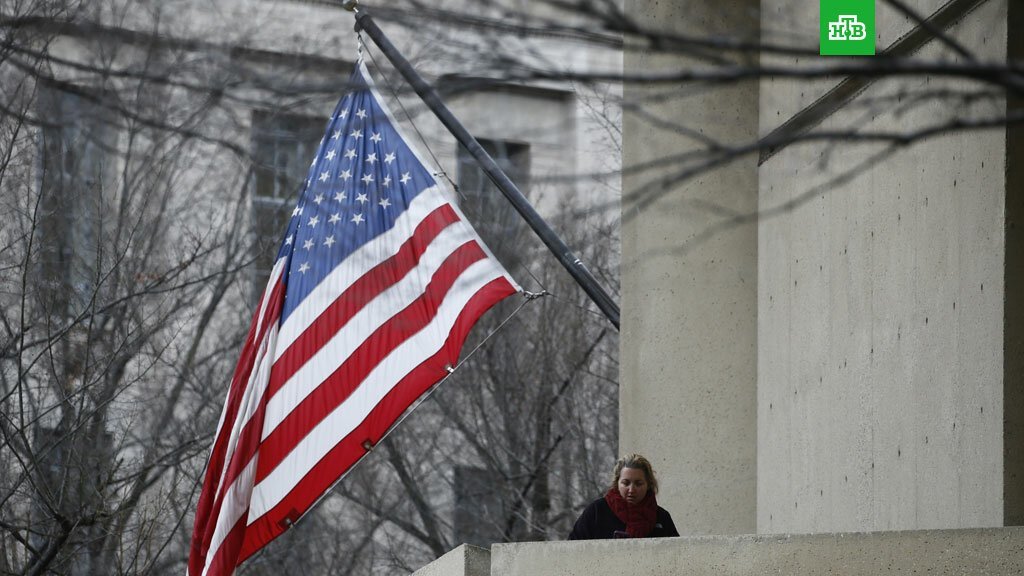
x=880 y=307
x=687 y=394
x=936 y=552
x=466 y=560
x=990 y=551
x=542 y=118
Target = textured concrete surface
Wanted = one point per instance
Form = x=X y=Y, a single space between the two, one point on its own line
x=997 y=551
x=687 y=393
x=466 y=560
x=880 y=308
x=795 y=23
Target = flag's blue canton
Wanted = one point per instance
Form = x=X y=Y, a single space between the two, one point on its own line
x=363 y=177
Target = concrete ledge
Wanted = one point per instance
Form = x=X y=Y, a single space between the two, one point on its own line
x=466 y=560
x=990 y=551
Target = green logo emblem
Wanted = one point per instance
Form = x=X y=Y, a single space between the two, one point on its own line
x=847 y=27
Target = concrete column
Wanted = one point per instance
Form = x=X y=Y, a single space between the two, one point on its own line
x=882 y=388
x=689 y=297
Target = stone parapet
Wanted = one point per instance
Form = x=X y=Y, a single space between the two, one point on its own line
x=466 y=560
x=989 y=551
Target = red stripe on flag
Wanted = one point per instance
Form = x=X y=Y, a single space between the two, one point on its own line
x=363 y=290
x=224 y=560
x=339 y=385
x=205 y=522
x=349 y=450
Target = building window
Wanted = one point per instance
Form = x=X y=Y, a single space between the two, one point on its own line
x=284 y=146
x=78 y=155
x=479 y=510
x=489 y=211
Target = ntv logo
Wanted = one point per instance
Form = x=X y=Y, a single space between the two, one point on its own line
x=847 y=27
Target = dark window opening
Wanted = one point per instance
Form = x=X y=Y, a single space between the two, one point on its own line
x=489 y=211
x=78 y=152
x=284 y=146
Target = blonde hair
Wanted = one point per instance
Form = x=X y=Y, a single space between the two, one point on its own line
x=637 y=462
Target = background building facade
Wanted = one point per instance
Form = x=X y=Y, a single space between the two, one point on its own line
x=152 y=151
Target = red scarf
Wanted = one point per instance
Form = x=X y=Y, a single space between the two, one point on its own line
x=639 y=518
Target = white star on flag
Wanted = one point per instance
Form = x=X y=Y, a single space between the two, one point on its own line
x=371 y=158
x=329 y=155
x=345 y=339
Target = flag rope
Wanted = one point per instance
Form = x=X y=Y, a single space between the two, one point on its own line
x=394 y=94
x=586 y=309
x=423 y=140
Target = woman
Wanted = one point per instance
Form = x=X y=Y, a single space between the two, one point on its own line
x=629 y=509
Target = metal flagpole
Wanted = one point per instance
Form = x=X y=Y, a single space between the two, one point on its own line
x=572 y=264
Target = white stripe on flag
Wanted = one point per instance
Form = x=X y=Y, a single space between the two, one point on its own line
x=355 y=266
x=376 y=313
x=275 y=273
x=377 y=384
x=236 y=503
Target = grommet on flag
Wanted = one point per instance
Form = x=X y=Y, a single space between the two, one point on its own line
x=289 y=520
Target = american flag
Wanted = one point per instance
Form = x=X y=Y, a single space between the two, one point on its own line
x=376 y=285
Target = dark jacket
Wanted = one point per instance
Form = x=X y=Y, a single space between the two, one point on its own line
x=599 y=522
